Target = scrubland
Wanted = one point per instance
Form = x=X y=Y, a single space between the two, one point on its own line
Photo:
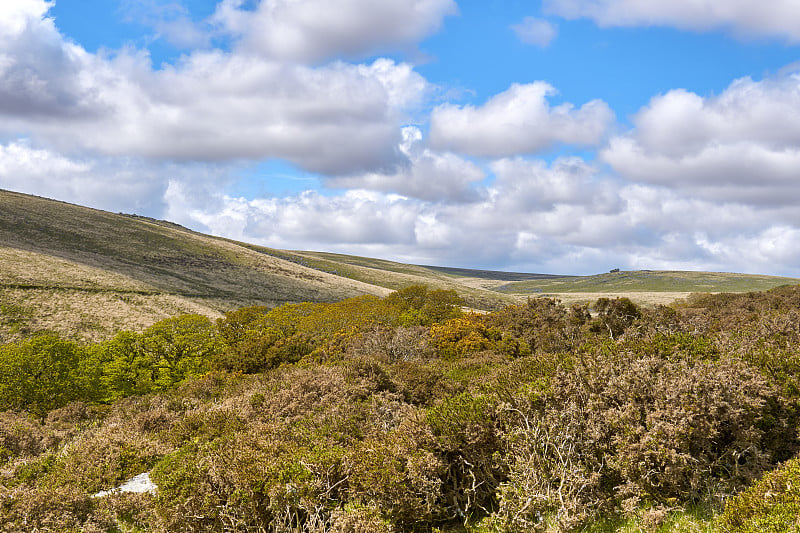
x=407 y=414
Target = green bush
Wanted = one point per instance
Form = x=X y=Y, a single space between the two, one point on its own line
x=770 y=506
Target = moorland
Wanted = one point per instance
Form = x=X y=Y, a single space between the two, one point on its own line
x=282 y=391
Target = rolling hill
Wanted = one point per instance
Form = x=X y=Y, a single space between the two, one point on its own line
x=87 y=273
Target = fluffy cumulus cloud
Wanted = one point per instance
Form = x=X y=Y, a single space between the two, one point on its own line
x=535 y=31
x=566 y=216
x=743 y=145
x=316 y=30
x=114 y=184
x=778 y=18
x=40 y=73
x=212 y=105
x=428 y=175
x=518 y=121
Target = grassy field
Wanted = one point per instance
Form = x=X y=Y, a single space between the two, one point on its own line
x=651 y=281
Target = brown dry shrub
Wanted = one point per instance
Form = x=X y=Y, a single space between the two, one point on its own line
x=359 y=519
x=409 y=344
x=47 y=508
x=276 y=463
x=103 y=458
x=543 y=324
x=20 y=435
x=402 y=343
x=423 y=383
x=272 y=477
x=202 y=425
x=398 y=472
x=619 y=426
x=122 y=512
x=23 y=436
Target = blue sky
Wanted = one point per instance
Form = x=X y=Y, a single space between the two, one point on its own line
x=566 y=136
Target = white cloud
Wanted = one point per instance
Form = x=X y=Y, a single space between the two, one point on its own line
x=777 y=18
x=126 y=185
x=212 y=106
x=316 y=30
x=40 y=73
x=429 y=175
x=533 y=215
x=517 y=121
x=535 y=31
x=171 y=21
x=742 y=146
x=16 y=16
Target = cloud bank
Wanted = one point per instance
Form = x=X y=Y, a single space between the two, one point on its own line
x=779 y=19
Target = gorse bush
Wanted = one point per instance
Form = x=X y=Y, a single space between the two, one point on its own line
x=771 y=506
x=405 y=414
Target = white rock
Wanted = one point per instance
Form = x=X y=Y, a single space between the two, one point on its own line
x=139 y=484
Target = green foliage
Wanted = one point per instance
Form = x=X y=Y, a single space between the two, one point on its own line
x=43 y=373
x=770 y=506
x=181 y=347
x=417 y=305
x=467 y=438
x=126 y=368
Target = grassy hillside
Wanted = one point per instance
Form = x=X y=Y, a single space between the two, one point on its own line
x=643 y=286
x=80 y=268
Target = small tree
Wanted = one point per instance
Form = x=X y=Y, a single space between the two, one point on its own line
x=419 y=306
x=181 y=347
x=41 y=374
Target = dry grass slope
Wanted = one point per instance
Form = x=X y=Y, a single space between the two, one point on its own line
x=87 y=272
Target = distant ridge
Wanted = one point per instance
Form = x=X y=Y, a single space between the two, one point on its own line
x=494 y=274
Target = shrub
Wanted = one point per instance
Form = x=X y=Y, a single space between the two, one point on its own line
x=614 y=316
x=180 y=348
x=417 y=305
x=458 y=337
x=618 y=427
x=543 y=324
x=355 y=518
x=468 y=442
x=398 y=472
x=770 y=506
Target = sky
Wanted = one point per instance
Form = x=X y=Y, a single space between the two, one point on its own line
x=552 y=136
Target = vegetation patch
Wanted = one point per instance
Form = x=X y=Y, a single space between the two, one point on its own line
x=406 y=413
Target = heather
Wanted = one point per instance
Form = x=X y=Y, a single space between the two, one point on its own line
x=408 y=413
